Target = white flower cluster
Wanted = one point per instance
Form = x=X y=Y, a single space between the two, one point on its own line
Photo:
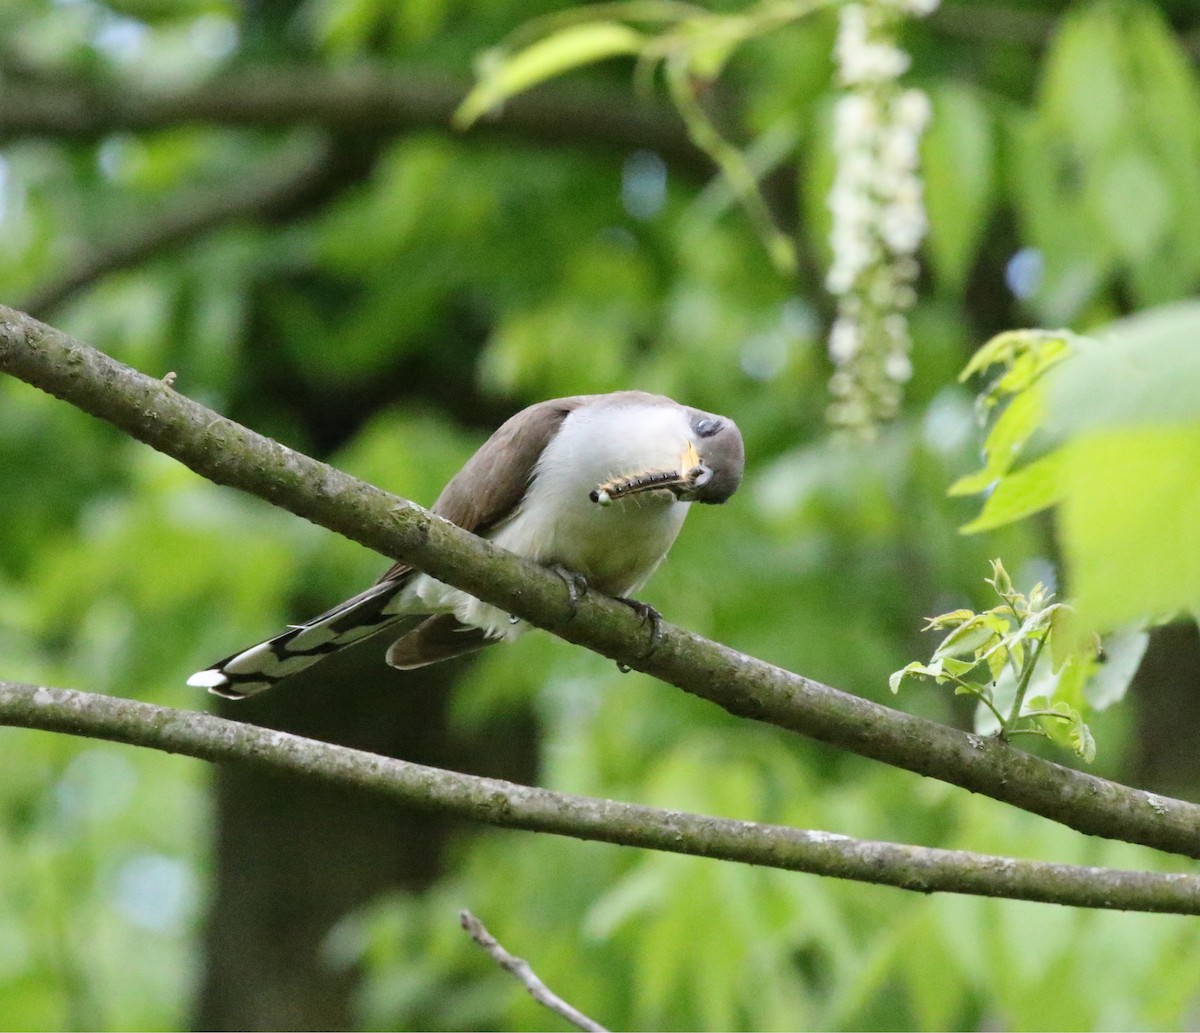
x=864 y=56
x=878 y=212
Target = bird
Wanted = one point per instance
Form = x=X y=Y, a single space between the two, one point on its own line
x=595 y=487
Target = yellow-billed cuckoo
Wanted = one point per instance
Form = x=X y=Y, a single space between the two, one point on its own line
x=595 y=486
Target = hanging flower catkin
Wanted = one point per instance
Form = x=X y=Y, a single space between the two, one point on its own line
x=878 y=213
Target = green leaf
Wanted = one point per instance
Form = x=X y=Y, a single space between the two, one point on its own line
x=948 y=620
x=1107 y=174
x=1035 y=350
x=957 y=156
x=1029 y=490
x=1001 y=348
x=1000 y=579
x=1083 y=107
x=1054 y=220
x=1113 y=673
x=916 y=668
x=1140 y=370
x=970 y=638
x=1068 y=684
x=973 y=483
x=816 y=179
x=708 y=53
x=1074 y=731
x=1082 y=740
x=1063 y=641
x=1129 y=519
x=1013 y=428
x=569 y=48
x=1082 y=88
x=1016 y=646
x=1019 y=420
x=953 y=666
x=996 y=661
x=1032 y=363
x=1136 y=203
x=1168 y=99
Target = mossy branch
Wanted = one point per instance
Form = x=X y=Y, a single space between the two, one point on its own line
x=509 y=805
x=230 y=454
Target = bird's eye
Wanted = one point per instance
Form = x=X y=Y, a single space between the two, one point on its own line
x=706 y=428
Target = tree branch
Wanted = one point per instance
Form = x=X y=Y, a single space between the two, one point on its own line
x=381 y=100
x=365 y=99
x=227 y=453
x=520 y=969
x=509 y=805
x=997 y=23
x=994 y=23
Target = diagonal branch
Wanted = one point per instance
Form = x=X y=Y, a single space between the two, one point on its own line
x=508 y=805
x=228 y=453
x=524 y=974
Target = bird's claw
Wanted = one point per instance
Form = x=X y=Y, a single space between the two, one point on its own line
x=577 y=586
x=649 y=614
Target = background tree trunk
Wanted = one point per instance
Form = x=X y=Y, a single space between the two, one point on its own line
x=292 y=859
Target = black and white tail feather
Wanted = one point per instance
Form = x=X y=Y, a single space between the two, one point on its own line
x=422 y=638
x=263 y=665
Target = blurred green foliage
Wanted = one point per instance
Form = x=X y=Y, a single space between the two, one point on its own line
x=390 y=324
x=1113 y=425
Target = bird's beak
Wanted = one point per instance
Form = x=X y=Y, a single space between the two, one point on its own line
x=693 y=469
x=689 y=459
x=694 y=473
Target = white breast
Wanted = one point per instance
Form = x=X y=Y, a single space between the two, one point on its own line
x=615 y=547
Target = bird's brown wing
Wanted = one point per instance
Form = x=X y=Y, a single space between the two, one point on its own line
x=481 y=495
x=494 y=479
x=437 y=638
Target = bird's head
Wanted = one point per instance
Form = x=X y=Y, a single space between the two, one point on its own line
x=708 y=468
x=716 y=455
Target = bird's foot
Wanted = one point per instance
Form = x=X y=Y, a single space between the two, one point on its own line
x=577 y=586
x=648 y=614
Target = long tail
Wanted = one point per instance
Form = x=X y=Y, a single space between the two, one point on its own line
x=262 y=666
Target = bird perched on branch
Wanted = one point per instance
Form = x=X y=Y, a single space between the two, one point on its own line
x=595 y=486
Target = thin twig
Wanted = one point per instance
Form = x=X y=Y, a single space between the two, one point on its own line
x=519 y=968
x=1022 y=688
